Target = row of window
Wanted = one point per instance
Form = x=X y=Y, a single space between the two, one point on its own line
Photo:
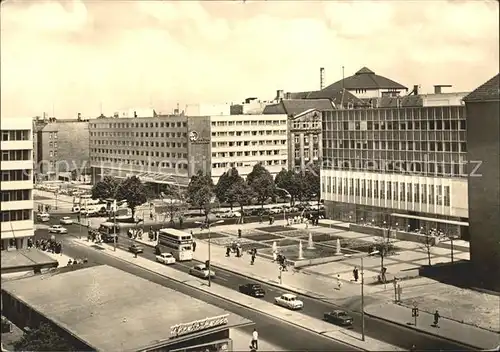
x=249 y=153
x=141 y=153
x=398 y=191
x=176 y=124
x=440 y=125
x=399 y=167
x=119 y=161
x=141 y=144
x=250 y=133
x=16 y=175
x=314 y=139
x=52 y=135
x=307 y=154
x=52 y=144
x=16 y=155
x=16 y=215
x=249 y=123
x=16 y=195
x=241 y=164
x=247 y=143
x=53 y=153
x=16 y=135
x=310 y=125
x=390 y=114
x=140 y=134
x=427 y=146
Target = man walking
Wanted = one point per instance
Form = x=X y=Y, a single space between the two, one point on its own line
x=355 y=273
x=194 y=246
x=436 y=319
x=255 y=340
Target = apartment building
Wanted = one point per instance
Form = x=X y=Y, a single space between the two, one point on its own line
x=16 y=183
x=170 y=149
x=403 y=167
x=61 y=146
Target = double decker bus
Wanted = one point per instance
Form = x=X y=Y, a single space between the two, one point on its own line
x=179 y=243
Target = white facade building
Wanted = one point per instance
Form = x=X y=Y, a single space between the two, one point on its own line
x=245 y=140
x=16 y=182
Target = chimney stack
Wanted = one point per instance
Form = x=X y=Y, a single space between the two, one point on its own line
x=321 y=78
x=79 y=116
x=280 y=95
x=415 y=89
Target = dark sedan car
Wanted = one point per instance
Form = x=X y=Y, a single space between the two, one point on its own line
x=338 y=317
x=254 y=290
x=135 y=248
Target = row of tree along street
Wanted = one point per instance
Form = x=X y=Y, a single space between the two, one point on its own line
x=231 y=189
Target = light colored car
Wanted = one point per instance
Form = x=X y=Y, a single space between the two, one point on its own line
x=66 y=220
x=289 y=301
x=276 y=210
x=43 y=217
x=165 y=258
x=57 y=229
x=201 y=271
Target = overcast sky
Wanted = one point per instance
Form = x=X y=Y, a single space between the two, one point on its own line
x=72 y=55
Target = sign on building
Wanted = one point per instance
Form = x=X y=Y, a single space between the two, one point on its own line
x=198 y=325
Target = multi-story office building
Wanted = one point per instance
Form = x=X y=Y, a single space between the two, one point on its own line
x=170 y=149
x=402 y=166
x=61 y=146
x=483 y=144
x=17 y=182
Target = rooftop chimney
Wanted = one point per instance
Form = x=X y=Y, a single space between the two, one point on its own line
x=438 y=88
x=280 y=95
x=79 y=116
x=135 y=113
x=321 y=78
x=415 y=89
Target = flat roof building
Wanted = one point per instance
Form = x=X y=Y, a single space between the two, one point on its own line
x=101 y=308
x=483 y=143
x=16 y=182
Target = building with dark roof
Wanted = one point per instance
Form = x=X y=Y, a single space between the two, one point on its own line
x=483 y=145
x=101 y=308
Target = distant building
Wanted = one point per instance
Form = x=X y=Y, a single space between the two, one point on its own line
x=17 y=183
x=101 y=308
x=208 y=110
x=62 y=145
x=251 y=106
x=483 y=143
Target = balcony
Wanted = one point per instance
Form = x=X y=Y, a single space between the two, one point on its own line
x=17 y=165
x=17 y=145
x=16 y=226
x=16 y=185
x=17 y=205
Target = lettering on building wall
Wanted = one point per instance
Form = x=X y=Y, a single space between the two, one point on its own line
x=195 y=138
x=198 y=325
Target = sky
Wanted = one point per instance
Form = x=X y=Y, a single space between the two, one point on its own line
x=70 y=56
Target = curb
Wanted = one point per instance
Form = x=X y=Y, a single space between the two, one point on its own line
x=237 y=303
x=423 y=331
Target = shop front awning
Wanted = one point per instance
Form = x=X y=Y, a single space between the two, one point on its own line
x=423 y=218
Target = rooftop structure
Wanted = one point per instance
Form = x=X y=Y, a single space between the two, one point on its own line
x=110 y=310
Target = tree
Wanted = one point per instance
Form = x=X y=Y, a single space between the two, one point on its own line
x=225 y=183
x=262 y=183
x=105 y=189
x=200 y=192
x=133 y=191
x=43 y=339
x=288 y=180
x=313 y=179
x=384 y=247
x=242 y=193
x=428 y=241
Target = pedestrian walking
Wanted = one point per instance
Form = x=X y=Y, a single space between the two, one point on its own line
x=228 y=251
x=255 y=340
x=339 y=283
x=239 y=233
x=194 y=246
x=355 y=273
x=436 y=318
x=275 y=256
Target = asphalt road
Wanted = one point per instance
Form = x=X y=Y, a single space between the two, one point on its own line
x=391 y=333
x=274 y=331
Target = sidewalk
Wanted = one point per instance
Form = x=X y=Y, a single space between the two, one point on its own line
x=241 y=341
x=465 y=334
x=291 y=317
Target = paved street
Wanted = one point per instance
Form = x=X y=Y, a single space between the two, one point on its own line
x=394 y=334
x=286 y=336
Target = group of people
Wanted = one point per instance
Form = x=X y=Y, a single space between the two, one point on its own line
x=280 y=258
x=46 y=245
x=43 y=207
x=77 y=261
x=235 y=247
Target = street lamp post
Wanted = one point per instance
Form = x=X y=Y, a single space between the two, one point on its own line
x=362 y=301
x=209 y=225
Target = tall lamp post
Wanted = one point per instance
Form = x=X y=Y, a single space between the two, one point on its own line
x=209 y=224
x=289 y=196
x=362 y=300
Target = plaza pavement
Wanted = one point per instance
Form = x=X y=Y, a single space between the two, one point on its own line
x=295 y=318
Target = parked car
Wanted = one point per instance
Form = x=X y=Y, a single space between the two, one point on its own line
x=289 y=301
x=165 y=258
x=251 y=289
x=136 y=249
x=66 y=220
x=57 y=229
x=43 y=217
x=276 y=210
x=338 y=317
x=201 y=271
x=227 y=214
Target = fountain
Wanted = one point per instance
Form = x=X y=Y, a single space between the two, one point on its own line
x=301 y=252
x=338 y=251
x=310 y=243
x=275 y=247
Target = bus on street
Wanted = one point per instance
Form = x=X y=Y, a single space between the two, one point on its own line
x=179 y=243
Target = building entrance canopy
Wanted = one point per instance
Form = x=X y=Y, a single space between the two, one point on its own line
x=156 y=177
x=442 y=221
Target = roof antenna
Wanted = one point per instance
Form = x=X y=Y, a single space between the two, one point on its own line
x=342 y=77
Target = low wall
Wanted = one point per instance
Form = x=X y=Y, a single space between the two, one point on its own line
x=400 y=235
x=315 y=261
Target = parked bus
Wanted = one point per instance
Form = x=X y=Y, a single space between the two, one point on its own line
x=179 y=243
x=108 y=231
